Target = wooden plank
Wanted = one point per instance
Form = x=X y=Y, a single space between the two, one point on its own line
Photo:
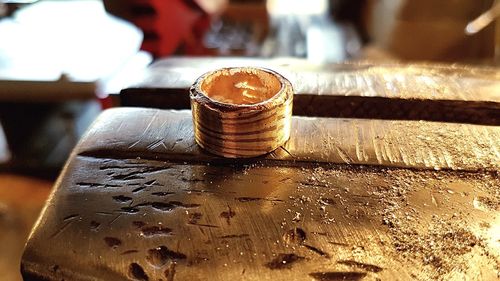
x=363 y=78
x=434 y=92
x=139 y=201
x=46 y=91
x=159 y=134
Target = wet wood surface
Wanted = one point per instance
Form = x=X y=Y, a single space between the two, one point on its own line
x=433 y=92
x=345 y=199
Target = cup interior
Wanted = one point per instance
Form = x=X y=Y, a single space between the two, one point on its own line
x=240 y=86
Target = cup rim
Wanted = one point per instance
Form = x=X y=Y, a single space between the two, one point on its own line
x=197 y=93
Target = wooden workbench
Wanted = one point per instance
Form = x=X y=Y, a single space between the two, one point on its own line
x=344 y=199
x=362 y=89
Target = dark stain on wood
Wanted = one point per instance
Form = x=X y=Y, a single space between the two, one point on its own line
x=170 y=272
x=284 y=261
x=360 y=265
x=140 y=188
x=122 y=198
x=138 y=174
x=162 y=254
x=253 y=199
x=94 y=225
x=89 y=184
x=137 y=272
x=112 y=242
x=119 y=167
x=130 y=210
x=128 y=252
x=249 y=199
x=184 y=205
x=338 y=275
x=138 y=224
x=295 y=235
x=155 y=230
x=339 y=244
x=156 y=258
x=162 y=193
x=228 y=215
x=93 y=184
x=298 y=236
x=171 y=205
x=163 y=206
x=317 y=251
x=125 y=177
x=194 y=217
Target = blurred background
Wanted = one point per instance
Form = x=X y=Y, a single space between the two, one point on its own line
x=62 y=62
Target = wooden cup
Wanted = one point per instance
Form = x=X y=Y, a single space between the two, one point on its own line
x=241 y=111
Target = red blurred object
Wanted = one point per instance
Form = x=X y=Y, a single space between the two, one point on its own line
x=106 y=103
x=169 y=26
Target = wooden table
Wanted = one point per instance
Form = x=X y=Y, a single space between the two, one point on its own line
x=344 y=199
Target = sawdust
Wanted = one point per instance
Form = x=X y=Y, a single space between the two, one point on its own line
x=439 y=245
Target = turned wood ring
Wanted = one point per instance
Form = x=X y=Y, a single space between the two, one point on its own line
x=241 y=111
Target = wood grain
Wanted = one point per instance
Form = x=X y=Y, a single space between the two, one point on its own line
x=260 y=122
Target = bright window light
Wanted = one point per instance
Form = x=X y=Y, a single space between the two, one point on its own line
x=297 y=7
